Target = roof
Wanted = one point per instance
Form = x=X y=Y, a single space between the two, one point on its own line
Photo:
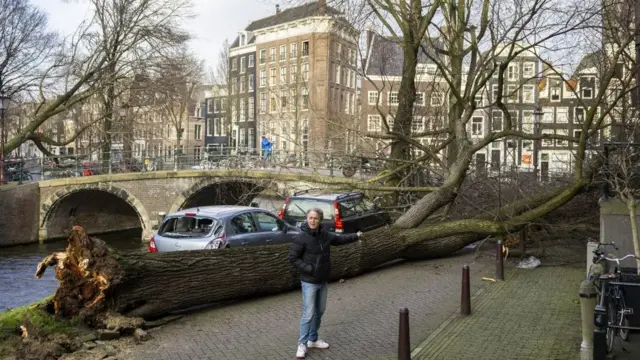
x=215 y=210
x=589 y=61
x=320 y=195
x=385 y=56
x=292 y=14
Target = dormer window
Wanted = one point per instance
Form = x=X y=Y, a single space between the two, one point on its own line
x=243 y=39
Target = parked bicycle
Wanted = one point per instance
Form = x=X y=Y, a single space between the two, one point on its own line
x=611 y=292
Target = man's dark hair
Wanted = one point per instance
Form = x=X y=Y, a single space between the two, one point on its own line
x=317 y=211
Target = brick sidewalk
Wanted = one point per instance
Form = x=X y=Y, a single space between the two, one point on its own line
x=361 y=321
x=534 y=314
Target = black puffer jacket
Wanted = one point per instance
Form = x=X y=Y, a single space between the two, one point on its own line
x=311 y=254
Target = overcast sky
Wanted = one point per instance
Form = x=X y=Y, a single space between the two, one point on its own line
x=216 y=20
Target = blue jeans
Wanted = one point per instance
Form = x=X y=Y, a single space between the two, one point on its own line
x=314 y=302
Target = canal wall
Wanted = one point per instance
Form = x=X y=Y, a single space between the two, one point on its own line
x=19 y=214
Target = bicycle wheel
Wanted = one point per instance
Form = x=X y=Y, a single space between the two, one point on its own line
x=205 y=164
x=348 y=171
x=623 y=320
x=612 y=314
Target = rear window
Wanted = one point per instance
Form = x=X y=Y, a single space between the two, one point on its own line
x=352 y=207
x=297 y=208
x=189 y=226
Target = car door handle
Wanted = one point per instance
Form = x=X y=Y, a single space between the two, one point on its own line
x=269 y=240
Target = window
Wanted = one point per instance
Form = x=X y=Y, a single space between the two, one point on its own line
x=273 y=104
x=497 y=70
x=263 y=56
x=496 y=121
x=374 y=123
x=292 y=94
x=252 y=138
x=374 y=97
x=210 y=126
x=436 y=98
x=251 y=83
x=393 y=98
x=527 y=122
x=197 y=132
x=242 y=82
x=251 y=61
x=266 y=222
x=221 y=127
x=242 y=137
x=587 y=93
x=234 y=113
x=294 y=50
x=562 y=115
x=305 y=99
x=305 y=48
x=283 y=75
x=216 y=105
x=478 y=99
x=209 y=106
x=512 y=72
x=577 y=134
x=234 y=85
x=528 y=70
x=547 y=141
x=242 y=111
x=283 y=52
x=294 y=73
x=305 y=71
x=527 y=94
x=263 y=78
x=561 y=132
x=420 y=99
x=476 y=126
x=556 y=92
x=272 y=76
x=243 y=64
x=578 y=115
x=417 y=124
x=283 y=100
x=337 y=74
x=234 y=64
x=512 y=94
x=263 y=102
x=272 y=54
x=390 y=120
x=495 y=91
x=547 y=114
x=251 y=108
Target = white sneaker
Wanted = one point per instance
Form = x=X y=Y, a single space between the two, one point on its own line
x=302 y=351
x=318 y=344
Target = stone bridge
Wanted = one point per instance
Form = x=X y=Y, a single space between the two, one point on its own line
x=105 y=203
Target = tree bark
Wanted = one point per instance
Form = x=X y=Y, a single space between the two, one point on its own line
x=632 y=205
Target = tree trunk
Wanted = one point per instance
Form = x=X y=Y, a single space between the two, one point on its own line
x=632 y=205
x=95 y=281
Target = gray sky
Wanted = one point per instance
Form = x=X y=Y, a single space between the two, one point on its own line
x=216 y=20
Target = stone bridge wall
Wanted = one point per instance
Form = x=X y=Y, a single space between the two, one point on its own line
x=93 y=201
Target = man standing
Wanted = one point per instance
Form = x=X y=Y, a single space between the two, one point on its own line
x=310 y=253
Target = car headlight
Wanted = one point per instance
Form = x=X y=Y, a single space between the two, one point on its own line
x=214 y=244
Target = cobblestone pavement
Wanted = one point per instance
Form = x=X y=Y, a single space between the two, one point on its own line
x=361 y=321
x=534 y=314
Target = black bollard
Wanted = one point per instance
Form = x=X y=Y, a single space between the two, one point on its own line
x=465 y=298
x=404 y=344
x=601 y=320
x=499 y=261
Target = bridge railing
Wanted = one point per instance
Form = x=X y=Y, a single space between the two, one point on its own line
x=331 y=163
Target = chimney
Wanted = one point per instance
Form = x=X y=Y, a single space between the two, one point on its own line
x=322 y=4
x=277 y=9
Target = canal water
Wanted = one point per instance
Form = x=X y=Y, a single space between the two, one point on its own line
x=18 y=264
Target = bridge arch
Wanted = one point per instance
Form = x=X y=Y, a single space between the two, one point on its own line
x=222 y=191
x=98 y=207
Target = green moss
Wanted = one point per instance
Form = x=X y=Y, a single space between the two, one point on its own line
x=44 y=322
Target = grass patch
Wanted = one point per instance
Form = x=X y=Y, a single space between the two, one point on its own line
x=44 y=322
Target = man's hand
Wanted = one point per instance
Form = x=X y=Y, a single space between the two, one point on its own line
x=359 y=233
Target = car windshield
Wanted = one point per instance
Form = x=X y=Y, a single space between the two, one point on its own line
x=189 y=226
x=356 y=206
x=297 y=208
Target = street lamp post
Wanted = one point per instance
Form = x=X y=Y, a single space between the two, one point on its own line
x=536 y=143
x=4 y=105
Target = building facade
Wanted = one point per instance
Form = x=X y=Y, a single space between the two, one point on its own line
x=217 y=128
x=305 y=79
x=242 y=92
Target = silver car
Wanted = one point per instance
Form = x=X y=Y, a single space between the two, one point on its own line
x=216 y=227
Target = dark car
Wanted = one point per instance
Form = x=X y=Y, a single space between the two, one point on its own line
x=343 y=212
x=216 y=227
